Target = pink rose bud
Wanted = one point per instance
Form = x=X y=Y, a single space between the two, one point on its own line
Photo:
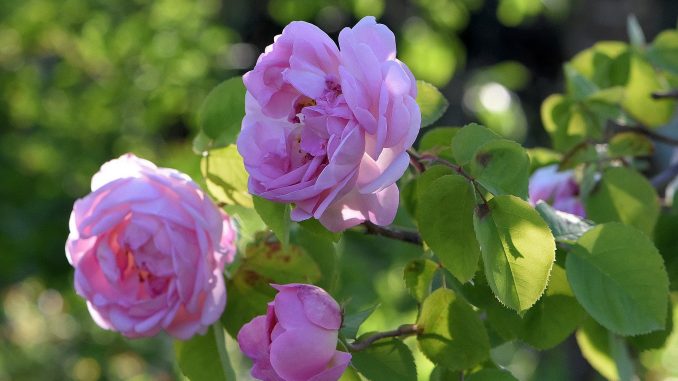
x=558 y=189
x=149 y=249
x=297 y=338
x=328 y=128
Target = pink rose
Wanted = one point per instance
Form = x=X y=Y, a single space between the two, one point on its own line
x=297 y=338
x=149 y=249
x=327 y=129
x=559 y=189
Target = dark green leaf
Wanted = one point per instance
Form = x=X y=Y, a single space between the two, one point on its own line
x=314 y=226
x=565 y=227
x=352 y=322
x=491 y=375
x=386 y=360
x=198 y=358
x=618 y=276
x=630 y=144
x=222 y=111
x=449 y=230
x=276 y=215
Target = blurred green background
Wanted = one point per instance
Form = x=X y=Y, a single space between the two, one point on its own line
x=83 y=81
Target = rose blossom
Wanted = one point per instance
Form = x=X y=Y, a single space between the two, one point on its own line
x=559 y=189
x=149 y=248
x=297 y=338
x=327 y=129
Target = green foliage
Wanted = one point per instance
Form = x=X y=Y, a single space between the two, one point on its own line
x=518 y=250
x=452 y=334
x=276 y=216
x=449 y=230
x=548 y=323
x=264 y=262
x=198 y=358
x=501 y=167
x=386 y=360
x=626 y=196
x=491 y=375
x=222 y=112
x=351 y=323
x=605 y=352
x=630 y=144
x=225 y=176
x=468 y=140
x=432 y=103
x=418 y=275
x=438 y=141
x=566 y=227
x=618 y=276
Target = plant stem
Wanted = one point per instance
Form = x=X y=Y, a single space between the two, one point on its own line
x=642 y=130
x=220 y=338
x=402 y=235
x=403 y=330
x=671 y=94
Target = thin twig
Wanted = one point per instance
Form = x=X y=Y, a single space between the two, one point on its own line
x=403 y=330
x=415 y=161
x=399 y=234
x=642 y=130
x=671 y=94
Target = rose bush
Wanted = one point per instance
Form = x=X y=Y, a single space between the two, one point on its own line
x=149 y=248
x=559 y=189
x=297 y=338
x=327 y=129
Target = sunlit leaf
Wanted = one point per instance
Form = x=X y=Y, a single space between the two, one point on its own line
x=518 y=250
x=502 y=167
x=467 y=141
x=432 y=103
x=276 y=216
x=452 y=334
x=226 y=177
x=418 y=275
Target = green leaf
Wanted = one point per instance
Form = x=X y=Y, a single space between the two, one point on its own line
x=626 y=196
x=198 y=358
x=323 y=252
x=578 y=86
x=548 y=323
x=276 y=215
x=630 y=144
x=452 y=334
x=602 y=350
x=502 y=167
x=432 y=103
x=518 y=250
x=351 y=323
x=386 y=360
x=618 y=276
x=635 y=32
x=226 y=177
x=666 y=239
x=314 y=226
x=350 y=375
x=566 y=130
x=566 y=227
x=248 y=224
x=264 y=263
x=418 y=275
x=449 y=230
x=440 y=373
x=222 y=111
x=642 y=82
x=664 y=51
x=541 y=157
x=491 y=375
x=439 y=141
x=467 y=141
